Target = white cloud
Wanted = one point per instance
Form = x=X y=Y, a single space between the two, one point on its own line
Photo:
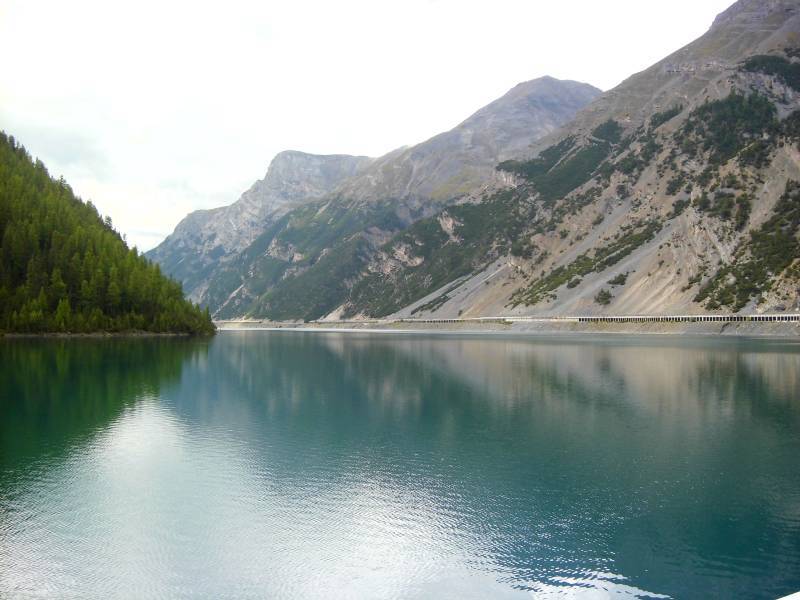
x=155 y=108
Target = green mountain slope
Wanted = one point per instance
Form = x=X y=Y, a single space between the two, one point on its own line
x=64 y=269
x=727 y=167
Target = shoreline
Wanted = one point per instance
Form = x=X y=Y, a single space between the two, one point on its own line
x=767 y=330
x=94 y=335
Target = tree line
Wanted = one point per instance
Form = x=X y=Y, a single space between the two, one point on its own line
x=63 y=268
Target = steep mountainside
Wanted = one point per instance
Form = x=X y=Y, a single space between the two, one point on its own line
x=675 y=192
x=206 y=239
x=455 y=162
x=303 y=264
x=64 y=269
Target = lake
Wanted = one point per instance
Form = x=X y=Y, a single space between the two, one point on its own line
x=366 y=465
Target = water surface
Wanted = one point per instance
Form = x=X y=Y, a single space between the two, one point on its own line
x=330 y=465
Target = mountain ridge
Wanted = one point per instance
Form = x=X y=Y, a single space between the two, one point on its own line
x=383 y=195
x=489 y=135
x=205 y=237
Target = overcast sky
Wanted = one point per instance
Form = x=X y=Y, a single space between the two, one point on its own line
x=152 y=109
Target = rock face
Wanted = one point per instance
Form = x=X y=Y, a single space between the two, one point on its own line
x=205 y=239
x=455 y=162
x=311 y=207
x=748 y=27
x=674 y=192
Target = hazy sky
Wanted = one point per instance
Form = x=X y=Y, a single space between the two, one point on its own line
x=152 y=109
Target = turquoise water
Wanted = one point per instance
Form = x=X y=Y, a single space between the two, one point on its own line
x=331 y=465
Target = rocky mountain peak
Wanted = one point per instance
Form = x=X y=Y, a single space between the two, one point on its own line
x=295 y=175
x=207 y=237
x=747 y=13
x=746 y=28
x=530 y=105
x=454 y=162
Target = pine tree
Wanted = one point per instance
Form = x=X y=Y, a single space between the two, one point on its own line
x=58 y=289
x=63 y=316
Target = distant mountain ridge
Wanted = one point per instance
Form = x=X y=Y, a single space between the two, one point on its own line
x=206 y=238
x=230 y=257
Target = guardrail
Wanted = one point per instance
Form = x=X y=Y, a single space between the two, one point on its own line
x=783 y=318
x=731 y=318
x=503 y=320
x=508 y=320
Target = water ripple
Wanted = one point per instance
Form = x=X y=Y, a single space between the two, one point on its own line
x=419 y=468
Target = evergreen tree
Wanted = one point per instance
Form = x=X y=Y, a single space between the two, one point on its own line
x=63 y=316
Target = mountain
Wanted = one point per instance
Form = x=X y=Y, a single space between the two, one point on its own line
x=301 y=264
x=455 y=162
x=677 y=191
x=64 y=269
x=206 y=239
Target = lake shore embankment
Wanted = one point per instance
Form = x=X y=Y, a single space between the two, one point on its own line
x=744 y=329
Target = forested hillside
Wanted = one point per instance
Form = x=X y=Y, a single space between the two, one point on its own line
x=64 y=269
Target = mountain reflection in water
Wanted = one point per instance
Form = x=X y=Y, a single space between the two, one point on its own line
x=305 y=465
